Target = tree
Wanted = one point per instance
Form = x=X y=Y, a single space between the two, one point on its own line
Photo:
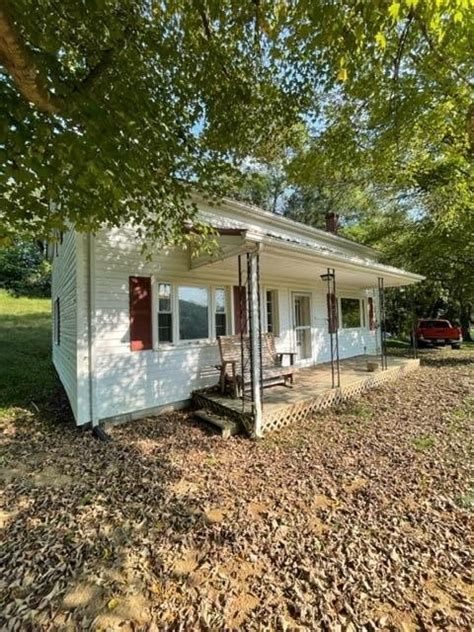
x=424 y=245
x=110 y=111
x=263 y=185
x=23 y=268
x=311 y=204
x=400 y=129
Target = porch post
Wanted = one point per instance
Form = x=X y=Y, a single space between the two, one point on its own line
x=333 y=325
x=336 y=333
x=383 y=348
x=331 y=320
x=255 y=339
x=413 y=323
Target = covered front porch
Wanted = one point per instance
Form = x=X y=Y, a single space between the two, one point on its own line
x=312 y=391
x=326 y=304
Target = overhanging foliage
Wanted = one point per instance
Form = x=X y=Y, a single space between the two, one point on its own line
x=108 y=109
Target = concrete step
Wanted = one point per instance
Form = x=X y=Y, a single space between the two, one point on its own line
x=227 y=427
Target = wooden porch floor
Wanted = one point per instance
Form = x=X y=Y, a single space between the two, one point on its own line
x=311 y=392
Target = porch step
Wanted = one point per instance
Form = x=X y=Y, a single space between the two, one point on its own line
x=227 y=427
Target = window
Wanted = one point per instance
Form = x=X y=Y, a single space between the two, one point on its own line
x=364 y=315
x=350 y=313
x=165 y=313
x=271 y=305
x=188 y=313
x=193 y=304
x=220 y=311
x=56 y=322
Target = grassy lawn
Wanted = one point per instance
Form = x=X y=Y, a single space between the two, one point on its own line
x=26 y=371
x=427 y=355
x=357 y=519
x=395 y=343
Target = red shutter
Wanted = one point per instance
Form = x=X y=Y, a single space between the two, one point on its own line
x=240 y=309
x=140 y=313
x=332 y=312
x=372 y=324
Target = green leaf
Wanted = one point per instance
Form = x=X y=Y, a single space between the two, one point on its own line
x=394 y=11
x=342 y=74
x=381 y=40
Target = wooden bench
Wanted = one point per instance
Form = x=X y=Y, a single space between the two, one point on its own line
x=235 y=379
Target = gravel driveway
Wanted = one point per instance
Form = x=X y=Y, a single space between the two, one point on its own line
x=358 y=519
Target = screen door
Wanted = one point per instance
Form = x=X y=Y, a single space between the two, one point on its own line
x=302 y=323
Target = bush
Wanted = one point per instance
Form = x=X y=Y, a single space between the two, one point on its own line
x=24 y=270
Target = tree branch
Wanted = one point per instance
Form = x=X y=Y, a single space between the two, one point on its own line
x=432 y=46
x=257 y=23
x=210 y=36
x=16 y=60
x=401 y=46
x=97 y=71
x=205 y=21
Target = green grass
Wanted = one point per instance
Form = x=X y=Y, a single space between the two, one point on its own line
x=395 y=343
x=466 y=501
x=361 y=410
x=26 y=370
x=423 y=442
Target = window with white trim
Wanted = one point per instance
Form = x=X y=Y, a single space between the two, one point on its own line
x=190 y=313
x=165 y=313
x=350 y=313
x=220 y=310
x=271 y=312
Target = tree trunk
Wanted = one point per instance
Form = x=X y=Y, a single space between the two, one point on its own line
x=466 y=311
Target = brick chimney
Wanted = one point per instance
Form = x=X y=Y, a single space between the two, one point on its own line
x=332 y=222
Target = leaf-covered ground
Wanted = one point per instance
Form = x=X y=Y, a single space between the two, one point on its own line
x=359 y=519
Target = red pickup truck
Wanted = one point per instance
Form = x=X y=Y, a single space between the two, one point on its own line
x=438 y=332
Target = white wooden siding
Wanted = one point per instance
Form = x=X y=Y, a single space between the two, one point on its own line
x=64 y=287
x=83 y=374
x=133 y=381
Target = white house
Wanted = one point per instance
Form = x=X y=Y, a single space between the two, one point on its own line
x=133 y=337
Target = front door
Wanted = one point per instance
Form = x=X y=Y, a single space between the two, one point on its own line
x=302 y=324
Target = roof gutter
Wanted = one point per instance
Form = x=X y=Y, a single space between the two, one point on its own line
x=377 y=268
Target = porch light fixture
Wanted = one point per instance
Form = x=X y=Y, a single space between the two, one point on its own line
x=327 y=276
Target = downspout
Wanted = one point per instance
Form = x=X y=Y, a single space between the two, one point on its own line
x=91 y=331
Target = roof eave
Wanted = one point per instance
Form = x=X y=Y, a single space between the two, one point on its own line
x=344 y=261
x=281 y=221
